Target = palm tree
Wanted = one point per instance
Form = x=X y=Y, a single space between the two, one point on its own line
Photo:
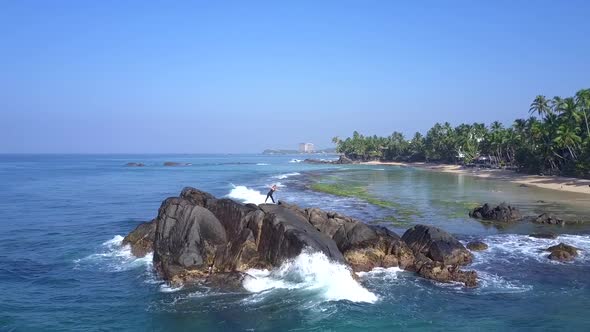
x=567 y=138
x=583 y=102
x=540 y=105
x=556 y=104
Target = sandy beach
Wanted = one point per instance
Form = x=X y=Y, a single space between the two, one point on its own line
x=559 y=183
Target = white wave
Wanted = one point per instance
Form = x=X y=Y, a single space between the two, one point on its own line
x=165 y=288
x=295 y=160
x=286 y=175
x=262 y=164
x=114 y=257
x=382 y=273
x=246 y=195
x=510 y=248
x=310 y=271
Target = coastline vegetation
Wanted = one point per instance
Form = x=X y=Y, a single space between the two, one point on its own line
x=554 y=140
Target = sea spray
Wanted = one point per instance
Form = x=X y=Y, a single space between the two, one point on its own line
x=310 y=271
x=246 y=195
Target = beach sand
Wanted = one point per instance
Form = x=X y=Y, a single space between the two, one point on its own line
x=559 y=183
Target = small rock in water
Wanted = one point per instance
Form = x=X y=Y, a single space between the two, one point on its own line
x=562 y=252
x=477 y=246
x=135 y=164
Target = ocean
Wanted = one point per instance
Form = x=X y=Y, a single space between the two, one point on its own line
x=62 y=266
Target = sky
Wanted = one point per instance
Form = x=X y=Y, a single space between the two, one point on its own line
x=242 y=76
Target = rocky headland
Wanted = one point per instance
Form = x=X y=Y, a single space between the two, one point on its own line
x=197 y=238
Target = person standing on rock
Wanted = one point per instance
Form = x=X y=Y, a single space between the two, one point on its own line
x=272 y=191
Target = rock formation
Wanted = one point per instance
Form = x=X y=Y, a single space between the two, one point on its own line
x=199 y=238
x=502 y=212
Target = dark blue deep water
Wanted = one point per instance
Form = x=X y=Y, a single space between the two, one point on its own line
x=62 y=266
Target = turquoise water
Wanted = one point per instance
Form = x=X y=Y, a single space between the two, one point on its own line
x=62 y=266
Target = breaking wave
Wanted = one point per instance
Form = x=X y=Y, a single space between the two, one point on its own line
x=310 y=271
x=286 y=175
x=114 y=257
x=246 y=195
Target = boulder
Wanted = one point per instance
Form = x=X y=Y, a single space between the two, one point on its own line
x=548 y=219
x=437 y=245
x=441 y=272
x=141 y=239
x=562 y=252
x=502 y=212
x=135 y=164
x=477 y=246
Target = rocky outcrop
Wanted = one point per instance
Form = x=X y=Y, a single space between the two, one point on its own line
x=199 y=238
x=562 y=252
x=502 y=212
x=477 y=246
x=548 y=219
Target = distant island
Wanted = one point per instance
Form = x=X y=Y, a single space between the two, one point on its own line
x=284 y=151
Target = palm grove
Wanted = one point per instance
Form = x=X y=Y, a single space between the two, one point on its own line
x=555 y=139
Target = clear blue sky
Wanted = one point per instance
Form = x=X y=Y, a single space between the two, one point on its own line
x=241 y=76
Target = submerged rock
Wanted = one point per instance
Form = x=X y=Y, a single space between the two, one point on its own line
x=197 y=238
x=502 y=212
x=562 y=252
x=477 y=246
x=544 y=235
x=174 y=163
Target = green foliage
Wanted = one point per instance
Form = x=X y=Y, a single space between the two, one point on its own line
x=554 y=140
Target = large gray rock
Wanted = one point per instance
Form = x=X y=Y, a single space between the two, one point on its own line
x=437 y=245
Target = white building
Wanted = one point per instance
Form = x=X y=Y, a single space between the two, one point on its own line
x=306 y=147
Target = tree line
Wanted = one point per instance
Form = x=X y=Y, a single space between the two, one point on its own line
x=555 y=139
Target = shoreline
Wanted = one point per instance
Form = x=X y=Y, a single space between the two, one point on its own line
x=558 y=183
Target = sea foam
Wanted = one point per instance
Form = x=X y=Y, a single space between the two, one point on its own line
x=311 y=271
